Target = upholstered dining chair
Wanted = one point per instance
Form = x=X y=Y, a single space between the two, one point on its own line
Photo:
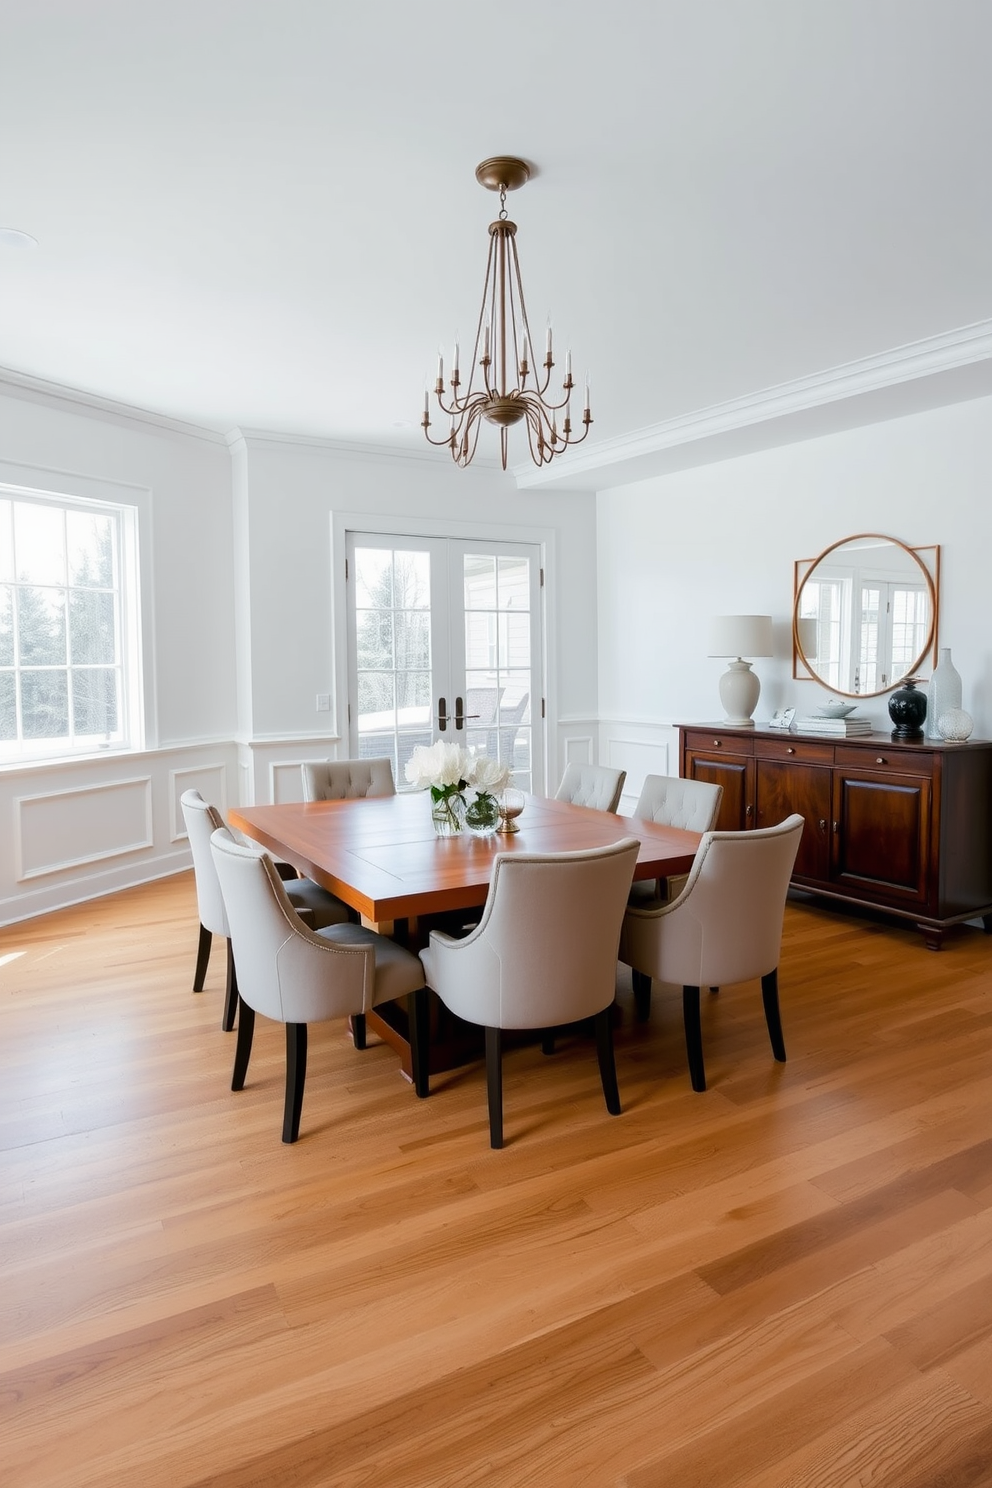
x=543 y=955
x=293 y=974
x=341 y=780
x=201 y=820
x=724 y=927
x=692 y=805
x=591 y=785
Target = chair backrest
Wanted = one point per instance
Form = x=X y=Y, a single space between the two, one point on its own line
x=285 y=971
x=726 y=925
x=545 y=950
x=501 y=741
x=591 y=785
x=202 y=820
x=340 y=780
x=693 y=805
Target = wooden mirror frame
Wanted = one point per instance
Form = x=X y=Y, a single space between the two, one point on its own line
x=928 y=559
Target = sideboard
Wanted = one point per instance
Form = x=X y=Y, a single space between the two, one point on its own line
x=905 y=828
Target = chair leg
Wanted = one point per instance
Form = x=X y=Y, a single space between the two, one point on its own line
x=494 y=1084
x=642 y=995
x=418 y=1015
x=296 y=1078
x=358 y=1030
x=607 y=1062
x=769 y=996
x=231 y=994
x=693 y=1037
x=202 y=957
x=242 y=1053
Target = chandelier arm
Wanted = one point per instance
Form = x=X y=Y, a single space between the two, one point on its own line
x=539 y=388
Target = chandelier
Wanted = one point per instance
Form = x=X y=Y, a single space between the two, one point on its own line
x=505 y=385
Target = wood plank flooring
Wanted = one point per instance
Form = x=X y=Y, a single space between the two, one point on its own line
x=784 y=1281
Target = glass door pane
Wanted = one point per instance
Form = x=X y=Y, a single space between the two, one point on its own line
x=396 y=644
x=500 y=594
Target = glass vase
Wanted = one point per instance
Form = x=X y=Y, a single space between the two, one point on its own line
x=944 y=692
x=447 y=814
x=482 y=814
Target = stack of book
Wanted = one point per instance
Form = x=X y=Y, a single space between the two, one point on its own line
x=841 y=728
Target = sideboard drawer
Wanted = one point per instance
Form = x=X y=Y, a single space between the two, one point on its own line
x=809 y=751
x=891 y=761
x=705 y=740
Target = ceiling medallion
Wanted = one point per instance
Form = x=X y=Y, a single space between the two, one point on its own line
x=505 y=385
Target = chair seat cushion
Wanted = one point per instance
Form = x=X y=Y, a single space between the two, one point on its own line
x=397 y=971
x=326 y=910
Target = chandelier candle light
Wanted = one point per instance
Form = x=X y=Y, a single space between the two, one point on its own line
x=503 y=386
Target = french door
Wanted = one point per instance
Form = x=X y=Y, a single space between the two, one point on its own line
x=445 y=642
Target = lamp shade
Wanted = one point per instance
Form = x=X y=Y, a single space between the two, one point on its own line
x=741 y=635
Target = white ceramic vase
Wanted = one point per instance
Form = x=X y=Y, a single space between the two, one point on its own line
x=944 y=692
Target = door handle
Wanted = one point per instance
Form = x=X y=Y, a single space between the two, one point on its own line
x=461 y=716
x=442 y=714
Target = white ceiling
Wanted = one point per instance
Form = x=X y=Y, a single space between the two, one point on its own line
x=263 y=213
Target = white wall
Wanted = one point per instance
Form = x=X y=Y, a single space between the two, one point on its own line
x=286 y=504
x=723 y=539
x=73 y=830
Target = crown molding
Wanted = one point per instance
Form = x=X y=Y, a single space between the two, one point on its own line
x=347 y=449
x=918 y=359
x=57 y=395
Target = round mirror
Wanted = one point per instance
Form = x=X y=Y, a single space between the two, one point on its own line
x=865 y=615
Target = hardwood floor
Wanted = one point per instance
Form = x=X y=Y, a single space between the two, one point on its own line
x=785 y=1281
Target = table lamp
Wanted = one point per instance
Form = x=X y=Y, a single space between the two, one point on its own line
x=739 y=636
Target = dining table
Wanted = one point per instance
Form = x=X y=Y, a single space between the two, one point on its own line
x=381 y=857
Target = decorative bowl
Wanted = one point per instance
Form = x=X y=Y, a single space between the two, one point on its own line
x=836 y=710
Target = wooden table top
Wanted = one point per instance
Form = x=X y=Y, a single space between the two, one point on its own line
x=381 y=856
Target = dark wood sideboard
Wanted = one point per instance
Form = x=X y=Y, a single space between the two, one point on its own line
x=901 y=827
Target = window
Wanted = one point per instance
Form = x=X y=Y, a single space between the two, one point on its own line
x=69 y=675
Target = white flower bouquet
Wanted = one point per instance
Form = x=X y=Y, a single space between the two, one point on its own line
x=447 y=771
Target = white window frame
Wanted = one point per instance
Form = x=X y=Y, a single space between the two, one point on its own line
x=131 y=507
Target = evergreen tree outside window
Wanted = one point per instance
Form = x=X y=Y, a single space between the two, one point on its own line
x=67 y=662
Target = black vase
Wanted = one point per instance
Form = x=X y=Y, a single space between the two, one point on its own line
x=908 y=709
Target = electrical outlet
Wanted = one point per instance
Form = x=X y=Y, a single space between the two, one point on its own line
x=323 y=702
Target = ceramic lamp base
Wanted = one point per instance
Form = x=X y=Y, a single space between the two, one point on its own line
x=739 y=693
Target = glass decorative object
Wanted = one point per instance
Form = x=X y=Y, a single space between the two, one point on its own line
x=482 y=814
x=944 y=692
x=447 y=810
x=908 y=709
x=511 y=804
x=955 y=725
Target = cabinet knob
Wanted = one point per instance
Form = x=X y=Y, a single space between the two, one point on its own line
x=790 y=750
x=748 y=810
x=823 y=823
x=717 y=743
x=836 y=827
x=880 y=760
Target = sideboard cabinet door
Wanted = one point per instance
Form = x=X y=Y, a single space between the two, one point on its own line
x=721 y=760
x=782 y=788
x=882 y=834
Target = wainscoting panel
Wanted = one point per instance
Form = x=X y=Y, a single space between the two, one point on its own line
x=209 y=780
x=640 y=749
x=68 y=828
x=285 y=781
